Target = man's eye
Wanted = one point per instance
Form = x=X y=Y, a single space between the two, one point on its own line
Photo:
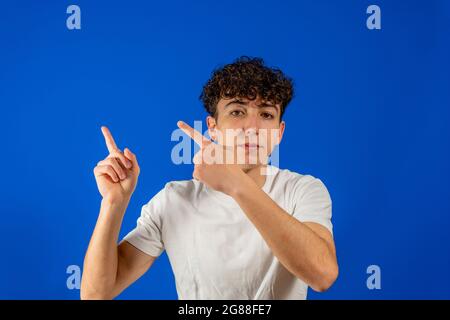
x=236 y=113
x=267 y=115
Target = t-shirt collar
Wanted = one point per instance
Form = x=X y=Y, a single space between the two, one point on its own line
x=228 y=200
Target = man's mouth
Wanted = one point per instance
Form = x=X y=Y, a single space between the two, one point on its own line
x=250 y=145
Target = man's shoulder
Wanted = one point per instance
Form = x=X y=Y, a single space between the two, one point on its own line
x=178 y=191
x=298 y=183
x=290 y=177
x=184 y=187
x=299 y=186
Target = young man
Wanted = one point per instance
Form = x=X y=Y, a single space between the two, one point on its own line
x=232 y=232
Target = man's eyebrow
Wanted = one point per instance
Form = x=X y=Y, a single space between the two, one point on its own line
x=236 y=101
x=268 y=105
x=261 y=105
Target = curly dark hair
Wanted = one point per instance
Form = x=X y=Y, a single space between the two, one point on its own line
x=247 y=78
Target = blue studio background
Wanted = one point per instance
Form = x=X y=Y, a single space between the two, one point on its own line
x=370 y=118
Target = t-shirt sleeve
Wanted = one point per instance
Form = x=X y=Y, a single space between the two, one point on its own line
x=147 y=235
x=312 y=202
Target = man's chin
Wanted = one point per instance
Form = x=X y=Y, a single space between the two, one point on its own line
x=248 y=166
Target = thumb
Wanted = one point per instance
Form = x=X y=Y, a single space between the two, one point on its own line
x=132 y=157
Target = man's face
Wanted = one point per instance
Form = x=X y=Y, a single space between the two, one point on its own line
x=251 y=127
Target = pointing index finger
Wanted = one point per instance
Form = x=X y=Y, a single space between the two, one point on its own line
x=194 y=134
x=110 y=143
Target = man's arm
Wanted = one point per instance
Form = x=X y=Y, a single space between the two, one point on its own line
x=306 y=249
x=109 y=268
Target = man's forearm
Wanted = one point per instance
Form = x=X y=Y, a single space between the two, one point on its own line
x=297 y=247
x=101 y=260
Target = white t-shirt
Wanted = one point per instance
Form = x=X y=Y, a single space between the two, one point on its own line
x=213 y=248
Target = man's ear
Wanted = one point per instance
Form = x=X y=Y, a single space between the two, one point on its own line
x=281 y=132
x=211 y=123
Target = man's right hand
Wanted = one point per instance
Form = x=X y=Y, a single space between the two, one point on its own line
x=117 y=174
x=110 y=267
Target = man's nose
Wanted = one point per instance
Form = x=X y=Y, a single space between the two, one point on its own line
x=251 y=125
